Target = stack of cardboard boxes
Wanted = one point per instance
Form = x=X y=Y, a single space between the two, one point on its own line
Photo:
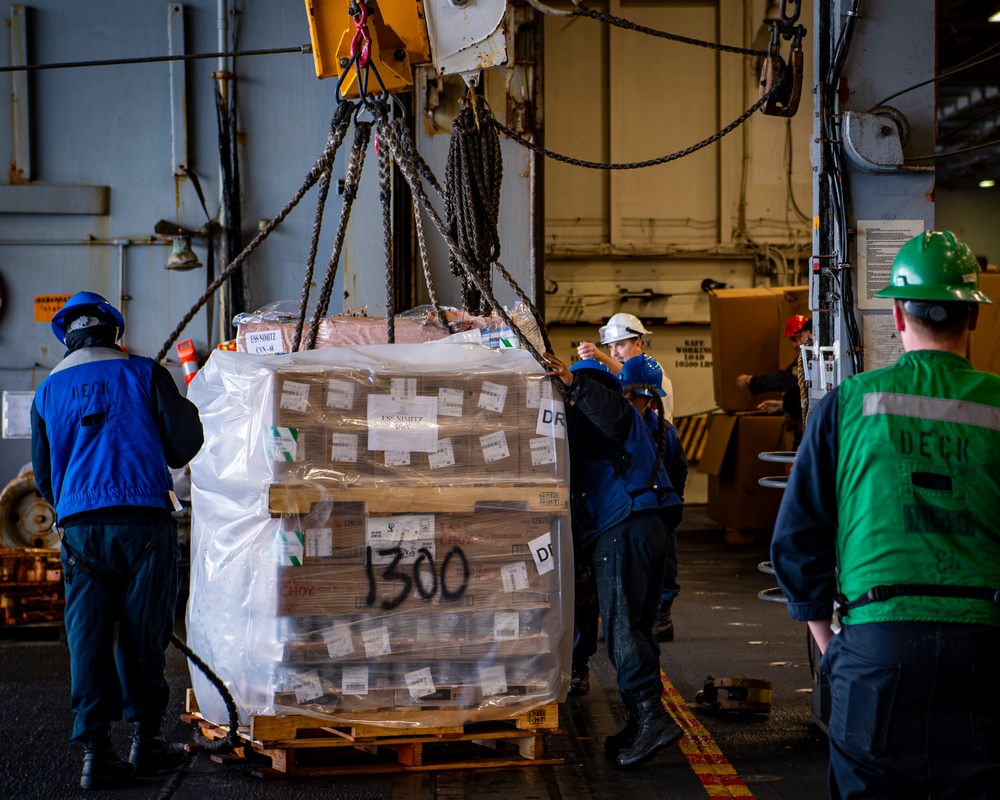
x=747 y=339
x=419 y=552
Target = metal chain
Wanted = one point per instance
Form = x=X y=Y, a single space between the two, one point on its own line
x=618 y=22
x=338 y=130
x=323 y=164
x=362 y=136
x=632 y=164
x=411 y=175
x=385 y=195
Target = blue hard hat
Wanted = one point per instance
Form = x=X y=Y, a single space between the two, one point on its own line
x=642 y=369
x=79 y=301
x=593 y=368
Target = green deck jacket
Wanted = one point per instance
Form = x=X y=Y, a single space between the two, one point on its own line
x=917 y=489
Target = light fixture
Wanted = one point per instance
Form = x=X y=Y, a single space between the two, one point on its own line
x=989 y=183
x=182 y=257
x=994 y=17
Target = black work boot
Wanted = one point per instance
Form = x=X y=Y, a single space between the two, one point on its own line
x=663 y=628
x=102 y=769
x=579 y=682
x=151 y=754
x=617 y=742
x=657 y=730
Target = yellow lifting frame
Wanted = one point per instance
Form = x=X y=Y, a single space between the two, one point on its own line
x=398 y=35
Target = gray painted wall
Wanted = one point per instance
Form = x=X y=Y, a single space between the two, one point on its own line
x=110 y=126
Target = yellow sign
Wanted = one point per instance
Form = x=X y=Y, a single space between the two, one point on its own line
x=46 y=306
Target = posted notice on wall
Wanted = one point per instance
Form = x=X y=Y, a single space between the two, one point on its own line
x=882 y=343
x=878 y=242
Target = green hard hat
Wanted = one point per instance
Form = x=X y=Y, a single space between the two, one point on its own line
x=935 y=266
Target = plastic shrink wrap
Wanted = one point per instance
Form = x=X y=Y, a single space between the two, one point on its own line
x=379 y=542
x=271 y=330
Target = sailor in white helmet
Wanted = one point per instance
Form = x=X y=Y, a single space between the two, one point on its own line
x=623 y=336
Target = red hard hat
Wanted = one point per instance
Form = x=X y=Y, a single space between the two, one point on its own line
x=796 y=324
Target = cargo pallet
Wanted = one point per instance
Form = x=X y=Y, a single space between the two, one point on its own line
x=301 y=746
x=299 y=497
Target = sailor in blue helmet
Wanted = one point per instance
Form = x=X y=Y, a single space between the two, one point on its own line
x=618 y=490
x=105 y=427
x=642 y=379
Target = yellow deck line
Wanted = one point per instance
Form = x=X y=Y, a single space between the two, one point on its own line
x=703 y=754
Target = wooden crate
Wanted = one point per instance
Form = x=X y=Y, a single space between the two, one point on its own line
x=31 y=586
x=300 y=746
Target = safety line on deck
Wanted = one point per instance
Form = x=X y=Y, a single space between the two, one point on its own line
x=702 y=753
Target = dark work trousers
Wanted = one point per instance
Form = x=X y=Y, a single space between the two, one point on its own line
x=585 y=622
x=628 y=566
x=125 y=679
x=914 y=711
x=670 y=588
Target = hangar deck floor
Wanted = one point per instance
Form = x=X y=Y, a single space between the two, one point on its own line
x=722 y=630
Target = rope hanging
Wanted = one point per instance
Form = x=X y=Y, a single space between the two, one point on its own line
x=352 y=180
x=338 y=130
x=411 y=175
x=422 y=171
x=472 y=195
x=323 y=163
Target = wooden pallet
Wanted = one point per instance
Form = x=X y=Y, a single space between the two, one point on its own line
x=299 y=498
x=300 y=746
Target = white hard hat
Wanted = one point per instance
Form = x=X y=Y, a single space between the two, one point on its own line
x=622 y=326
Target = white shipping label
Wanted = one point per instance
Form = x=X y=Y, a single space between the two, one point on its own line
x=344 y=447
x=450 y=402
x=411 y=533
x=265 y=343
x=515 y=577
x=339 y=642
x=397 y=458
x=306 y=686
x=403 y=390
x=295 y=396
x=541 y=551
x=319 y=542
x=289 y=548
x=402 y=426
x=376 y=642
x=282 y=444
x=493 y=680
x=551 y=419
x=543 y=451
x=444 y=457
x=494 y=447
x=420 y=682
x=538 y=391
x=506 y=625
x=492 y=396
x=340 y=394
x=354 y=680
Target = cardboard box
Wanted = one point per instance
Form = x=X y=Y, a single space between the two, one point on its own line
x=748 y=338
x=984 y=342
x=731 y=460
x=791 y=300
x=744 y=328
